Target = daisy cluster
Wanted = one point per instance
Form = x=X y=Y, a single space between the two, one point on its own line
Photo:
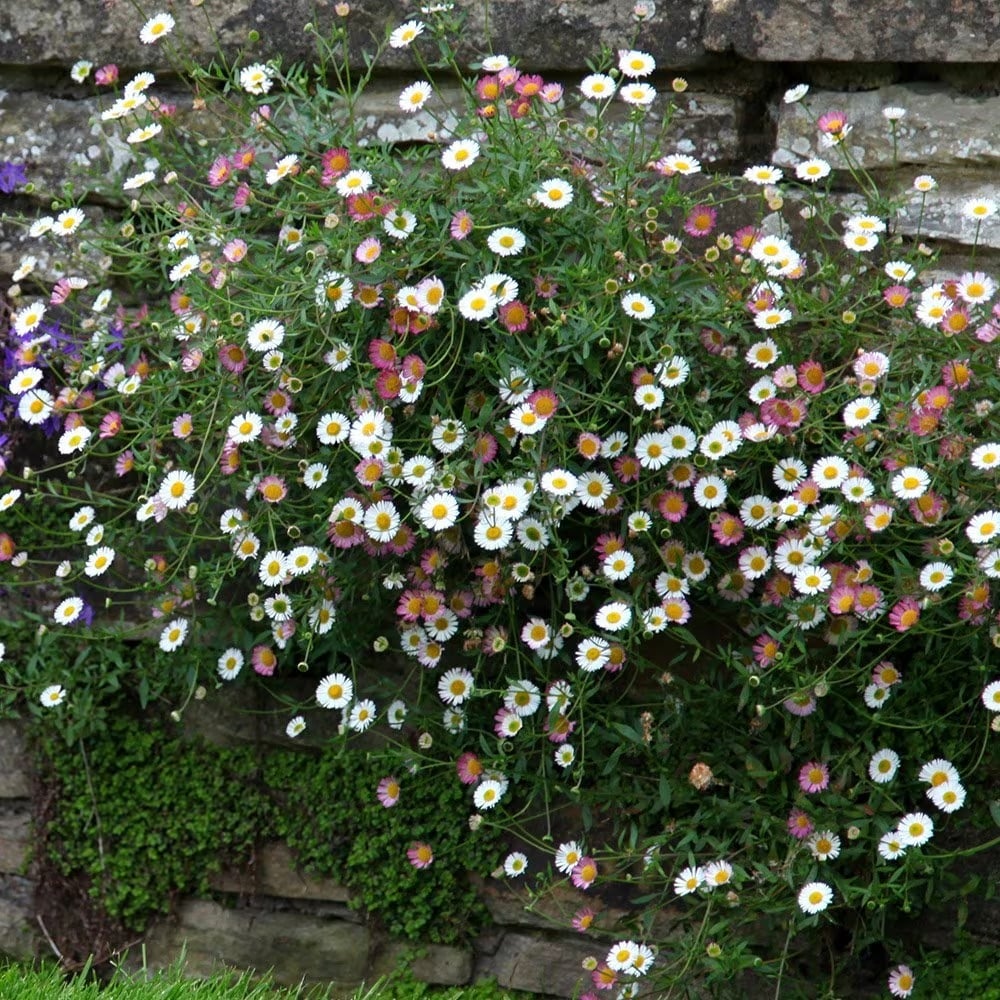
x=522 y=412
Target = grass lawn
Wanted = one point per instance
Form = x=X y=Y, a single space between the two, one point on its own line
x=50 y=983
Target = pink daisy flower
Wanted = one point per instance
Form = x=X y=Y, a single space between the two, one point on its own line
x=545 y=288
x=461 y=225
x=800 y=705
x=183 y=425
x=885 y=674
x=336 y=162
x=272 y=489
x=388 y=792
x=727 y=529
x=765 y=650
x=219 y=172
x=583 y=919
x=584 y=873
x=957 y=374
x=904 y=614
x=832 y=122
x=368 y=250
x=814 y=777
x=106 y=75
x=811 y=377
x=234 y=251
x=672 y=505
x=896 y=296
x=421 y=855
x=604 y=977
x=233 y=358
x=901 y=981
x=470 y=768
x=242 y=196
x=515 y=316
x=263 y=660
x=588 y=445
x=110 y=425
x=701 y=220
x=799 y=824
x=485 y=448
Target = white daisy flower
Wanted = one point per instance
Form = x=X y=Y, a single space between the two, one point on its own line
x=638 y=306
x=507 y=241
x=460 y=155
x=156 y=28
x=553 y=193
x=597 y=86
x=256 y=79
x=415 y=96
x=883 y=766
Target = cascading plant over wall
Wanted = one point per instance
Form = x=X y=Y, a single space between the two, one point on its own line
x=674 y=494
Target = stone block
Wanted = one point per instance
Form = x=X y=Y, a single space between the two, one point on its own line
x=706 y=125
x=54 y=258
x=941 y=129
x=557 y=36
x=61 y=139
x=15 y=836
x=511 y=905
x=20 y=939
x=541 y=965
x=292 y=947
x=441 y=965
x=941 y=216
x=274 y=874
x=15 y=761
x=847 y=31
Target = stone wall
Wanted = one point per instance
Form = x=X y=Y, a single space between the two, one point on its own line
x=275 y=917
x=940 y=61
x=278 y=918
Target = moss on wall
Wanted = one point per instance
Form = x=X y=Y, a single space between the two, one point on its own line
x=147 y=816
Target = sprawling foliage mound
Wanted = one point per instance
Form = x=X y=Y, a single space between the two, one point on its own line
x=675 y=497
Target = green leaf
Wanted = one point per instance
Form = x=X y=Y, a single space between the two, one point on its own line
x=995 y=811
x=665 y=791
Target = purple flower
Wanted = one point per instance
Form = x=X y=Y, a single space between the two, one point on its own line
x=11 y=175
x=814 y=777
x=799 y=824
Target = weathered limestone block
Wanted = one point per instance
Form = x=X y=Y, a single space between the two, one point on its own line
x=511 y=905
x=19 y=936
x=555 y=36
x=15 y=836
x=848 y=31
x=941 y=128
x=55 y=258
x=942 y=219
x=541 y=965
x=274 y=874
x=978 y=913
x=57 y=139
x=442 y=965
x=60 y=140
x=705 y=125
x=15 y=762
x=564 y=35
x=242 y=715
x=293 y=947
